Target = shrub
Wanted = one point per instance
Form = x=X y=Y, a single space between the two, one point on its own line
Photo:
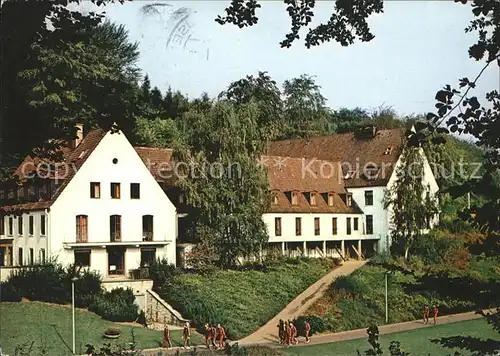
x=117 y=305
x=9 y=293
x=317 y=324
x=161 y=272
x=112 y=331
x=434 y=248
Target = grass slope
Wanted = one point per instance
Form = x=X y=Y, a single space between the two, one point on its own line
x=417 y=342
x=242 y=300
x=49 y=326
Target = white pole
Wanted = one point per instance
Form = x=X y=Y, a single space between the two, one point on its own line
x=73 y=310
x=386 y=302
x=468 y=201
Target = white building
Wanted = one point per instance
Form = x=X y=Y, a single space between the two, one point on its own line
x=368 y=160
x=100 y=208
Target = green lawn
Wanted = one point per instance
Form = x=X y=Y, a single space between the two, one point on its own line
x=417 y=342
x=242 y=300
x=49 y=326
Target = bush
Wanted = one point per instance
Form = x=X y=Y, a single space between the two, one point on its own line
x=434 y=248
x=161 y=272
x=9 y=293
x=317 y=324
x=117 y=305
x=112 y=331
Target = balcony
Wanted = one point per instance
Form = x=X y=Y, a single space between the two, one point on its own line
x=115 y=237
x=147 y=236
x=138 y=273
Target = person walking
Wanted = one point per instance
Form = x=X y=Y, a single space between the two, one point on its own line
x=281 y=333
x=208 y=335
x=167 y=337
x=294 y=334
x=435 y=312
x=307 y=330
x=221 y=333
x=426 y=314
x=186 y=335
x=288 y=335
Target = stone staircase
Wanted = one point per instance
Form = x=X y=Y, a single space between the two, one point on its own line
x=159 y=312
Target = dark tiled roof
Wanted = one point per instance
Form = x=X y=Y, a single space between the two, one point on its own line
x=350 y=150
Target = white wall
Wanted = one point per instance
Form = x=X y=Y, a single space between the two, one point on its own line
x=380 y=215
x=36 y=241
x=288 y=227
x=75 y=200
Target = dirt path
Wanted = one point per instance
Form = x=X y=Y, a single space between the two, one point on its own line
x=268 y=332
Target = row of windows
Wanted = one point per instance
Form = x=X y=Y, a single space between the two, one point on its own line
x=349 y=227
x=313 y=198
x=95 y=190
x=115 y=228
x=83 y=257
x=31 y=256
x=20 y=225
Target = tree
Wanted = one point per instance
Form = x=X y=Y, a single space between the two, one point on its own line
x=222 y=181
x=305 y=108
x=411 y=203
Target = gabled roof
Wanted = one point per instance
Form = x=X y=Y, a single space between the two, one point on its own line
x=349 y=150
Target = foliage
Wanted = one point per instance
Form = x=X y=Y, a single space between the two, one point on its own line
x=225 y=187
x=112 y=331
x=410 y=215
x=435 y=248
x=241 y=301
x=161 y=271
x=116 y=305
x=317 y=324
x=51 y=282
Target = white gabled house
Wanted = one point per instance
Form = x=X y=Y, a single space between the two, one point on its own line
x=100 y=208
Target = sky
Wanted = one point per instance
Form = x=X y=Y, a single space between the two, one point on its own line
x=419 y=47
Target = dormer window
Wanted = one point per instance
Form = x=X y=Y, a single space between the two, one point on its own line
x=350 y=175
x=349 y=199
x=371 y=171
x=295 y=198
x=330 y=199
x=181 y=198
x=312 y=198
x=388 y=151
x=275 y=199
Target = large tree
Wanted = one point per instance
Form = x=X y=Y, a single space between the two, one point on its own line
x=222 y=181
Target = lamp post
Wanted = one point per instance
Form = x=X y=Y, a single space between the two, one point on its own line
x=386 y=297
x=73 y=280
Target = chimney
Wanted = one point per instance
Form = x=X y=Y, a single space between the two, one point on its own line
x=79 y=135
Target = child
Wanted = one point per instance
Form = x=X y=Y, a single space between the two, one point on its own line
x=435 y=311
x=166 y=337
x=307 y=330
x=186 y=334
x=213 y=336
x=222 y=335
x=207 y=336
x=426 y=314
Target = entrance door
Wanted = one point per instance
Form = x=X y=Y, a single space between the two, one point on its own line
x=116 y=260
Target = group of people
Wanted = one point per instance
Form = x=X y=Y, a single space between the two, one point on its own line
x=427 y=311
x=287 y=332
x=186 y=335
x=215 y=336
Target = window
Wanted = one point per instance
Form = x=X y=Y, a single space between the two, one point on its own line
x=115 y=225
x=369 y=197
x=95 y=190
x=10 y=256
x=294 y=198
x=31 y=225
x=115 y=190
x=82 y=258
x=11 y=225
x=32 y=256
x=356 y=224
x=42 y=255
x=275 y=199
x=348 y=226
x=135 y=191
x=334 y=226
x=147 y=228
x=20 y=225
x=369 y=224
x=148 y=256
x=42 y=224
x=312 y=198
x=316 y=226
x=330 y=199
x=2 y=225
x=81 y=228
x=20 y=258
x=349 y=199
x=181 y=198
x=298 y=226
x=277 y=226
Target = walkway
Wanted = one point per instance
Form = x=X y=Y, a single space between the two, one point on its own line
x=300 y=305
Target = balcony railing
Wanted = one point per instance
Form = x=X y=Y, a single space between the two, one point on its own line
x=115 y=237
x=138 y=273
x=147 y=236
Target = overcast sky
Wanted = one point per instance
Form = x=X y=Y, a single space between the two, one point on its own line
x=419 y=46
